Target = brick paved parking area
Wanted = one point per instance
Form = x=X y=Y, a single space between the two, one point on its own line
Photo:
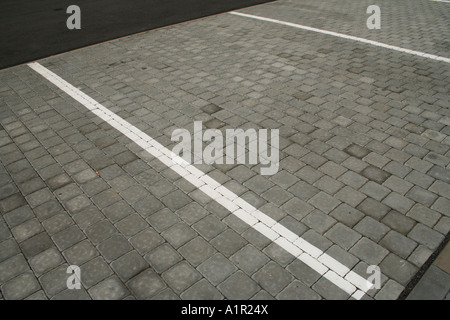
x=363 y=178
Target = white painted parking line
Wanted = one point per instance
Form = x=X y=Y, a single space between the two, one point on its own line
x=345 y=36
x=315 y=258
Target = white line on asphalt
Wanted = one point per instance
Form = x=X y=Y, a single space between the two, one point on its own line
x=334 y=271
x=344 y=36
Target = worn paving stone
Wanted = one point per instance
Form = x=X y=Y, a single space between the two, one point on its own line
x=238 y=287
x=178 y=234
x=114 y=247
x=181 y=276
x=55 y=281
x=196 y=251
x=100 y=231
x=426 y=236
x=147 y=285
x=146 y=241
x=163 y=257
x=398 y=269
x=298 y=291
x=80 y=253
x=94 y=271
x=273 y=278
x=228 y=242
x=129 y=265
x=12 y=267
x=45 y=261
x=369 y=251
x=202 y=290
x=20 y=287
x=8 y=248
x=109 y=289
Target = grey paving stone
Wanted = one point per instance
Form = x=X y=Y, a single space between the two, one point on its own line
x=426 y=236
x=373 y=208
x=72 y=295
x=163 y=219
x=298 y=291
x=68 y=192
x=27 y=230
x=8 y=248
x=191 y=213
x=48 y=210
x=12 y=202
x=375 y=191
x=442 y=205
x=343 y=236
x=179 y=234
x=398 y=269
x=422 y=196
x=80 y=253
x=109 y=289
x=12 y=267
x=39 y=197
x=94 y=187
x=181 y=276
x=375 y=174
x=324 y=202
x=209 y=227
x=197 y=251
x=390 y=291
x=118 y=211
x=57 y=223
x=19 y=216
x=131 y=225
x=45 y=261
x=87 y=217
x=369 y=251
x=77 y=204
x=228 y=242
x=146 y=285
x=398 y=222
x=347 y=215
x=100 y=231
x=424 y=215
x=146 y=241
x=37 y=296
x=94 y=271
x=328 y=290
x=440 y=174
x=147 y=206
x=163 y=257
x=55 y=281
x=319 y=221
x=20 y=287
x=114 y=247
x=202 y=290
x=273 y=278
x=36 y=245
x=216 y=269
x=357 y=151
x=129 y=265
x=398 y=244
x=238 y=287
x=68 y=237
x=106 y=198
x=176 y=200
x=371 y=229
x=297 y=208
x=249 y=259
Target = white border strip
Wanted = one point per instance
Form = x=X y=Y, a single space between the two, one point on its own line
x=344 y=36
x=315 y=258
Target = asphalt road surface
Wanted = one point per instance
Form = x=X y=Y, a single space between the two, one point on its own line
x=30 y=30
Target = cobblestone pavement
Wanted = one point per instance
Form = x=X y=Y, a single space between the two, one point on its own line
x=364 y=139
